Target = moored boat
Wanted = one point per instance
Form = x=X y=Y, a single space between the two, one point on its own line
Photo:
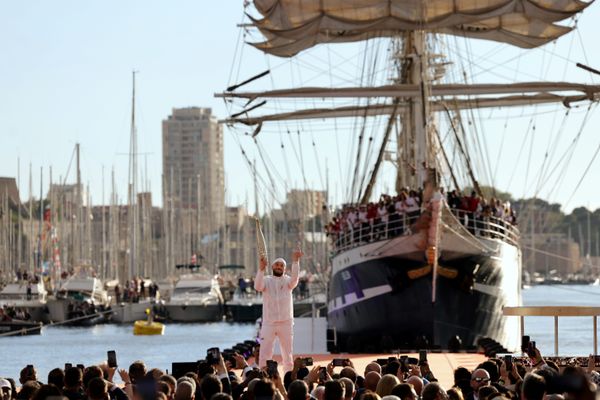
x=80 y=299
x=196 y=298
x=27 y=297
x=20 y=328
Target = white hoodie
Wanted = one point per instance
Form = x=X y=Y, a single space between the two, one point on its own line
x=277 y=294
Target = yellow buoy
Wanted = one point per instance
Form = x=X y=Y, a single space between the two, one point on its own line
x=141 y=327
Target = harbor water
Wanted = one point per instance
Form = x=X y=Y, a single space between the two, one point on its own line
x=189 y=342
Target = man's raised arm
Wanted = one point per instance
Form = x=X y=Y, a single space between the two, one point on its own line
x=259 y=282
x=295 y=269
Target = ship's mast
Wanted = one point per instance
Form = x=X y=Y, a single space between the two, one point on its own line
x=417 y=145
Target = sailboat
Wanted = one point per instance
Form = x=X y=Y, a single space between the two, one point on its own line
x=130 y=311
x=435 y=276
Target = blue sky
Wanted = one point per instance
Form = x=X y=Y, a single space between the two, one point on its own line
x=65 y=77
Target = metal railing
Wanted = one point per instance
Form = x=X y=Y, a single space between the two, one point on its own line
x=555 y=311
x=487 y=226
x=399 y=224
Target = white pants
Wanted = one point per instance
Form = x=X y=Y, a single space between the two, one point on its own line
x=285 y=332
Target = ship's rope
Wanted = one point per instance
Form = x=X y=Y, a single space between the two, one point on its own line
x=587 y=169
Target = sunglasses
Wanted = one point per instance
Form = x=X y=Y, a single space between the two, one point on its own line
x=481 y=379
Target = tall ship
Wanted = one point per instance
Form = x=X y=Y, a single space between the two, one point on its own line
x=433 y=264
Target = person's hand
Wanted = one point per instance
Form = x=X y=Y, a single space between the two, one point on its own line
x=400 y=375
x=537 y=358
x=276 y=378
x=262 y=264
x=124 y=376
x=330 y=368
x=110 y=373
x=515 y=372
x=298 y=363
x=348 y=363
x=313 y=375
x=503 y=371
x=297 y=255
x=591 y=363
x=415 y=370
x=426 y=372
x=220 y=367
x=240 y=361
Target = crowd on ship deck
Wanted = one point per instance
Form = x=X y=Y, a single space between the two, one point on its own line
x=393 y=215
x=236 y=376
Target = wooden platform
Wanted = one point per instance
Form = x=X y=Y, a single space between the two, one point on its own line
x=442 y=364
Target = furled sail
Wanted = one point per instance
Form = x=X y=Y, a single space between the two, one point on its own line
x=291 y=26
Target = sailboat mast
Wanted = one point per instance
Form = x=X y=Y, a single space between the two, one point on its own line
x=132 y=206
x=40 y=244
x=78 y=224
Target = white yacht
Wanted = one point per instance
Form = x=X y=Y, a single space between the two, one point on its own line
x=196 y=298
x=128 y=311
x=78 y=297
x=16 y=295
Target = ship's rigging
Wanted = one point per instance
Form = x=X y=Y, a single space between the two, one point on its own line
x=458 y=103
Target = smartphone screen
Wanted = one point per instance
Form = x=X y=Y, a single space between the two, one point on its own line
x=338 y=362
x=323 y=374
x=308 y=361
x=531 y=351
x=524 y=343
x=271 y=367
x=111 y=358
x=508 y=362
x=212 y=355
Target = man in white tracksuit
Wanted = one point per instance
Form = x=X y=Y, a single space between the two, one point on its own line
x=278 y=309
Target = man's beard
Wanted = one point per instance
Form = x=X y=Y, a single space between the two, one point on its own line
x=277 y=273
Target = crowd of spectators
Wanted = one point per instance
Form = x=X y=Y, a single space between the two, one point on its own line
x=136 y=289
x=393 y=215
x=239 y=378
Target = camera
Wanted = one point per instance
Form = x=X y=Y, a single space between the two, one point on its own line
x=307 y=362
x=212 y=355
x=508 y=362
x=339 y=362
x=111 y=358
x=524 y=344
x=531 y=349
x=422 y=357
x=322 y=374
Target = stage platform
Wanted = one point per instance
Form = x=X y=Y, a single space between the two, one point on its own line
x=442 y=364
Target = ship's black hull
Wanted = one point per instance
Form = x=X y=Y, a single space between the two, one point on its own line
x=377 y=305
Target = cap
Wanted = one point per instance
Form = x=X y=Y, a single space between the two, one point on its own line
x=281 y=260
x=4 y=383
